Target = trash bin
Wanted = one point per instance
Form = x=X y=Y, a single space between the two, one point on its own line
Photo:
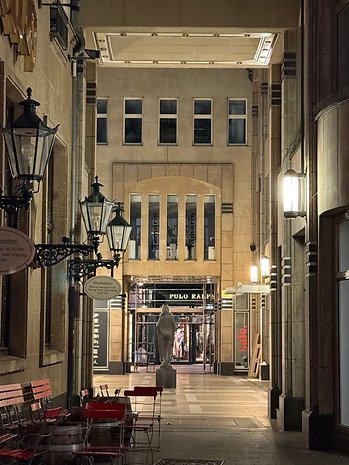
x=264 y=371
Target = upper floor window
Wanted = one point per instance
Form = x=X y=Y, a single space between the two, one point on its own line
x=237 y=118
x=102 y=116
x=190 y=226
x=172 y=227
x=133 y=118
x=209 y=227
x=154 y=227
x=168 y=121
x=134 y=248
x=202 y=121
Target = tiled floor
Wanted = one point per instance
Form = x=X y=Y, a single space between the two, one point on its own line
x=221 y=418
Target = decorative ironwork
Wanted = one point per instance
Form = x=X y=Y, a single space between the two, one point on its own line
x=51 y=254
x=77 y=269
x=11 y=204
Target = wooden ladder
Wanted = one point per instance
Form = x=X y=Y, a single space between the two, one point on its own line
x=256 y=357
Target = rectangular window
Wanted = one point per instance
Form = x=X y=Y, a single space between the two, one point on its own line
x=102 y=116
x=237 y=119
x=133 y=119
x=134 y=247
x=209 y=227
x=202 y=121
x=168 y=121
x=190 y=222
x=154 y=227
x=172 y=227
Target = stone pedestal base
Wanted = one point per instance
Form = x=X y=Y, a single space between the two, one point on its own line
x=317 y=430
x=166 y=377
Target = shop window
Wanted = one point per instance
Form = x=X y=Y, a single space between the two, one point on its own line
x=133 y=119
x=102 y=121
x=209 y=227
x=241 y=340
x=168 y=121
x=172 y=227
x=154 y=227
x=237 y=120
x=343 y=320
x=134 y=248
x=190 y=229
x=202 y=122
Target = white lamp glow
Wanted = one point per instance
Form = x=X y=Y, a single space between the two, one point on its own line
x=265 y=266
x=293 y=194
x=254 y=273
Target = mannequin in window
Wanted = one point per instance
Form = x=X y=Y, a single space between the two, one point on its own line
x=165 y=329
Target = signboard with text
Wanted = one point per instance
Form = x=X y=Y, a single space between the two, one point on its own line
x=16 y=250
x=100 y=339
x=102 y=287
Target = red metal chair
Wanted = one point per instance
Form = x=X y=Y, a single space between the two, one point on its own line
x=99 y=413
x=144 y=401
x=33 y=447
x=157 y=413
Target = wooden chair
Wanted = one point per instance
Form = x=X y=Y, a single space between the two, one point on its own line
x=42 y=392
x=99 y=413
x=33 y=447
x=12 y=414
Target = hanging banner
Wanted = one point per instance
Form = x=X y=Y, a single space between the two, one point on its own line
x=16 y=250
x=102 y=287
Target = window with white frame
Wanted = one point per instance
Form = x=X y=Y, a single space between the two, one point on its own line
x=168 y=121
x=237 y=121
x=202 y=121
x=102 y=118
x=133 y=121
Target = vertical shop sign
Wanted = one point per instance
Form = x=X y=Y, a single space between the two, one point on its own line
x=100 y=339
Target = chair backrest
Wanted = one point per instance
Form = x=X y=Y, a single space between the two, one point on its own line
x=37 y=413
x=104 y=390
x=150 y=391
x=84 y=396
x=114 y=410
x=144 y=400
x=11 y=405
x=42 y=391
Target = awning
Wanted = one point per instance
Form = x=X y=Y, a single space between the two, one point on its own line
x=248 y=289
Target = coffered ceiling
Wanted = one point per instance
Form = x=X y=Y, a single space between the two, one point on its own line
x=191 y=48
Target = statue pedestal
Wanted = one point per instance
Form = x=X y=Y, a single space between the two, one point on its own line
x=166 y=377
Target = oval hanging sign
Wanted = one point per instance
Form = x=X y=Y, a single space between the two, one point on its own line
x=16 y=250
x=102 y=287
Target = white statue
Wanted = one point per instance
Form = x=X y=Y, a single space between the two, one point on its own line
x=165 y=329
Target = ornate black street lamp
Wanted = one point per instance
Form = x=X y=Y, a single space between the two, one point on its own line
x=96 y=211
x=29 y=142
x=118 y=232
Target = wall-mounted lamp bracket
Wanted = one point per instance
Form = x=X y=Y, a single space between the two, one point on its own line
x=77 y=268
x=51 y=254
x=11 y=205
